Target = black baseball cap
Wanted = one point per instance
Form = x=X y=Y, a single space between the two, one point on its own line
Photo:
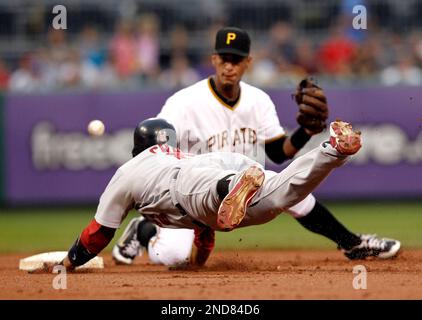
x=232 y=40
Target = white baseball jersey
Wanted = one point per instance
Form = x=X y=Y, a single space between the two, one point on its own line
x=142 y=183
x=204 y=123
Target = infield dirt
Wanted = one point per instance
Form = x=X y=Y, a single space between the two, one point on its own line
x=228 y=275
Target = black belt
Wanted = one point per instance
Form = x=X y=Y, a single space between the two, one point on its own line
x=182 y=211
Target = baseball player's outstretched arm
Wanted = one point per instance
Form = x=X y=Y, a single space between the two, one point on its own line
x=285 y=147
x=295 y=142
x=203 y=245
x=93 y=239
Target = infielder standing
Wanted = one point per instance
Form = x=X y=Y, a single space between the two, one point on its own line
x=213 y=191
x=222 y=113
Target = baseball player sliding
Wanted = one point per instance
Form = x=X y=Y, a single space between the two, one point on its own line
x=222 y=113
x=214 y=191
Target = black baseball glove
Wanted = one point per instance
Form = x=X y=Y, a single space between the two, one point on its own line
x=313 y=108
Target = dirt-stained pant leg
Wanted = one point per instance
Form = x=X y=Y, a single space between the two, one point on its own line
x=292 y=185
x=196 y=185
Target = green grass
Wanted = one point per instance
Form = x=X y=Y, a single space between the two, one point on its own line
x=36 y=230
x=401 y=221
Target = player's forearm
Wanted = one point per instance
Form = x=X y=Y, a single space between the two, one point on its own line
x=203 y=245
x=275 y=150
x=93 y=239
x=286 y=148
x=199 y=256
x=296 y=141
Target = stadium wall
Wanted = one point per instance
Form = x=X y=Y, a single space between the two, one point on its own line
x=49 y=157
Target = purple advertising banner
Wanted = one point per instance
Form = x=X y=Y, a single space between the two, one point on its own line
x=49 y=155
x=51 y=159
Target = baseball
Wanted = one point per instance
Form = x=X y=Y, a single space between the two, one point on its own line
x=96 y=128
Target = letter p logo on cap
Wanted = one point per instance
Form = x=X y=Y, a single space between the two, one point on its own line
x=230 y=36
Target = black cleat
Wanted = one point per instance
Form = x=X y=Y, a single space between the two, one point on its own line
x=128 y=247
x=371 y=246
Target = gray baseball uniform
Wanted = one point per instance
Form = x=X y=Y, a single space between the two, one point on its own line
x=179 y=192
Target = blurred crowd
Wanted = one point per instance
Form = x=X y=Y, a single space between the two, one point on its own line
x=138 y=55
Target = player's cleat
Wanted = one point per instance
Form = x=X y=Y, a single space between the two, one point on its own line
x=343 y=138
x=372 y=246
x=232 y=209
x=128 y=247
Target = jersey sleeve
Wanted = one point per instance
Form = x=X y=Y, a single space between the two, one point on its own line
x=269 y=128
x=115 y=202
x=172 y=112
